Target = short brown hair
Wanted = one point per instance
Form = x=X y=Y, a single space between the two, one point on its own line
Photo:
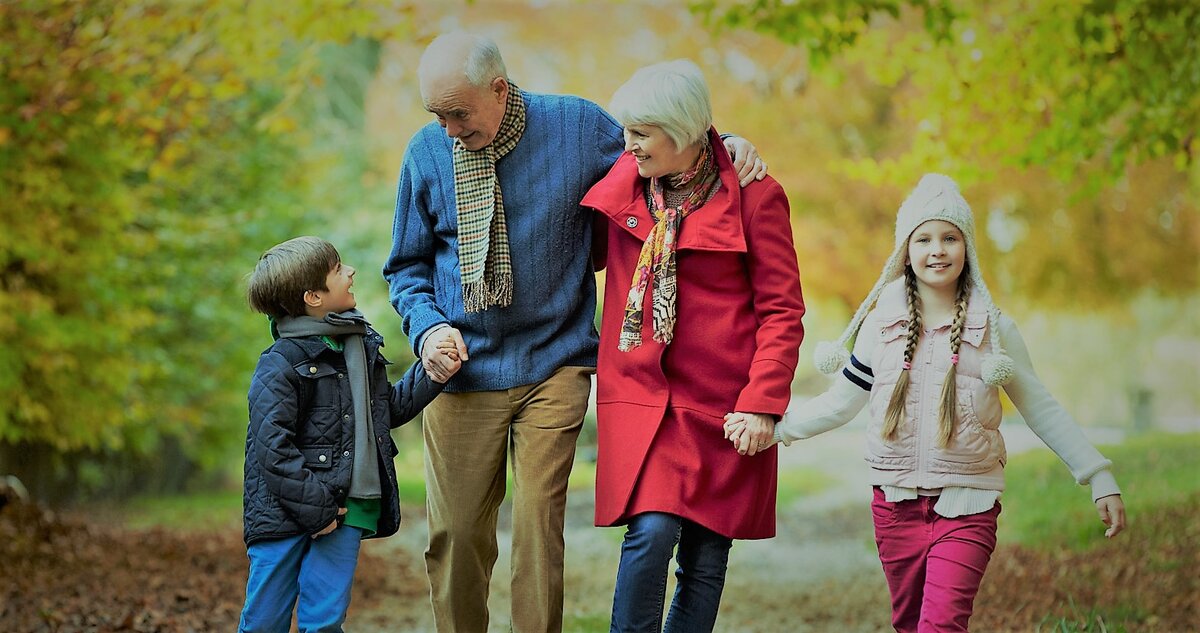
x=288 y=270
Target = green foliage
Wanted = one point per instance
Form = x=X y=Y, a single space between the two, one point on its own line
x=824 y=28
x=1070 y=125
x=149 y=151
x=1043 y=509
x=1069 y=82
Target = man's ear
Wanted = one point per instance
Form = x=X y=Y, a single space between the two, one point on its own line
x=313 y=299
x=500 y=88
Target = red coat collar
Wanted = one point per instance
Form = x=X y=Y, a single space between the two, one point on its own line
x=716 y=226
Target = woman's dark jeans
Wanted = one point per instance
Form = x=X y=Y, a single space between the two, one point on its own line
x=642 y=577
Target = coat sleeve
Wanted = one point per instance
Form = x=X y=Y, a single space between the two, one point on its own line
x=778 y=303
x=410 y=266
x=1050 y=421
x=610 y=144
x=412 y=393
x=274 y=415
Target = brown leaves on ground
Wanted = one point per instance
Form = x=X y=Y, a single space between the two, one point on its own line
x=63 y=575
x=1144 y=580
x=60 y=574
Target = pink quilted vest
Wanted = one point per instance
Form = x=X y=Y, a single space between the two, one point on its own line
x=975 y=455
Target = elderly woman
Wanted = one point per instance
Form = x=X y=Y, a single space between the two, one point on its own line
x=701 y=323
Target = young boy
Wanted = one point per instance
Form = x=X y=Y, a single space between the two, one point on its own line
x=319 y=475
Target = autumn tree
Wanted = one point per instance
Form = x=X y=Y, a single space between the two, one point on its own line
x=148 y=152
x=1071 y=125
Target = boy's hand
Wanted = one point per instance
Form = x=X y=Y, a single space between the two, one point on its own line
x=332 y=524
x=447 y=347
x=440 y=366
x=450 y=361
x=1112 y=513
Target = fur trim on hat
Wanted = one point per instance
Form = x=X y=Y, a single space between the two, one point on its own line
x=996 y=368
x=830 y=357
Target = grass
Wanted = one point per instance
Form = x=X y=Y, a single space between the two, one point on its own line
x=1044 y=509
x=798 y=482
x=201 y=511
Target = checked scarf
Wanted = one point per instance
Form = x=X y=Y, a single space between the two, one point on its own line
x=483 y=255
x=657 y=260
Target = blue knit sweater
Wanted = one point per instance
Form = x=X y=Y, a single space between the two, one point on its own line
x=568 y=145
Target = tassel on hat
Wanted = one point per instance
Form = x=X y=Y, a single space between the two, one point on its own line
x=936 y=197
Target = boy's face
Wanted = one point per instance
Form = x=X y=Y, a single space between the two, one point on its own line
x=337 y=298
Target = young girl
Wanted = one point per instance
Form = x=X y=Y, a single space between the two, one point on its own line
x=933 y=442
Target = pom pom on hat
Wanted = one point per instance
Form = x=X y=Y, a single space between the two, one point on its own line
x=996 y=368
x=829 y=357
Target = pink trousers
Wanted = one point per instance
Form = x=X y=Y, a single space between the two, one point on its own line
x=933 y=564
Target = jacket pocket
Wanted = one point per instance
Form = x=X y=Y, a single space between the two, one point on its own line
x=317 y=457
x=314 y=370
x=969 y=450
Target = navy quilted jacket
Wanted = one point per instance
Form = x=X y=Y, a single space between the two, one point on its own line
x=301 y=436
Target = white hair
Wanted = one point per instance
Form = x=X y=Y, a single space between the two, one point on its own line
x=482 y=62
x=671 y=95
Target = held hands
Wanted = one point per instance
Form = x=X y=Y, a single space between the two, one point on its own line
x=746 y=161
x=443 y=354
x=1112 y=513
x=750 y=433
x=332 y=524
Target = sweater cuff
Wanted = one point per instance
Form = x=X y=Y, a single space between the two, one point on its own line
x=777 y=437
x=425 y=336
x=1103 y=485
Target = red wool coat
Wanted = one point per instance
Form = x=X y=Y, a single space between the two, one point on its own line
x=660 y=409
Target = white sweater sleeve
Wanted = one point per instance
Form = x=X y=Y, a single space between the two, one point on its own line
x=1050 y=421
x=849 y=393
x=837 y=406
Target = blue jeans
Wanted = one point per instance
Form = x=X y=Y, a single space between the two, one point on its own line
x=642 y=575
x=317 y=571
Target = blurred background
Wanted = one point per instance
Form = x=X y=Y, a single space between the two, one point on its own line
x=150 y=151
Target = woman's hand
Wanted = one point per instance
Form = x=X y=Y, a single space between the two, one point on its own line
x=1112 y=513
x=750 y=433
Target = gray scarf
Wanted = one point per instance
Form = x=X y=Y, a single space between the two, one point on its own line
x=364 y=477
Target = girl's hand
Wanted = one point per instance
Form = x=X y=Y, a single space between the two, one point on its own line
x=1112 y=513
x=332 y=524
x=734 y=428
x=755 y=434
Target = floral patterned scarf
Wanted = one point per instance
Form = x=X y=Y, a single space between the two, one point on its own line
x=657 y=260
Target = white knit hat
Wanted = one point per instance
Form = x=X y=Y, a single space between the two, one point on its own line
x=935 y=198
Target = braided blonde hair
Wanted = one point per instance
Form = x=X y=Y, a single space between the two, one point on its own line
x=895 y=409
x=949 y=399
x=894 y=415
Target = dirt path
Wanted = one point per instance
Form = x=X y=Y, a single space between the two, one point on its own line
x=823 y=543
x=819 y=574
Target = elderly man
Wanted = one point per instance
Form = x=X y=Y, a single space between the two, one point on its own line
x=491 y=247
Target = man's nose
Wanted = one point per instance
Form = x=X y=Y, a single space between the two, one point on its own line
x=452 y=129
x=628 y=145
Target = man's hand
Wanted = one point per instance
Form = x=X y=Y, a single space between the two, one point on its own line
x=746 y=161
x=443 y=354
